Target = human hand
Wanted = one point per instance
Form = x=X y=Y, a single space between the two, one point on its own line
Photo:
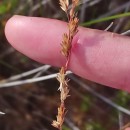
x=96 y=55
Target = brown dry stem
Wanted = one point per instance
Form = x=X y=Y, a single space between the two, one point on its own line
x=66 y=45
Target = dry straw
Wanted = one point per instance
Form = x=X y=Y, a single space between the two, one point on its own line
x=66 y=52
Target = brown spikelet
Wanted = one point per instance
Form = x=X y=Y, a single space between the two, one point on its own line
x=66 y=45
x=73 y=25
x=60 y=117
x=75 y=2
x=64 y=5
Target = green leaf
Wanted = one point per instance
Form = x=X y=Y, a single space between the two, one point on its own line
x=3 y=9
x=85 y=104
x=6 y=6
x=105 y=19
x=65 y=127
x=94 y=126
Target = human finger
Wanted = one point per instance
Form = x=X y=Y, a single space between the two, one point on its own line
x=99 y=56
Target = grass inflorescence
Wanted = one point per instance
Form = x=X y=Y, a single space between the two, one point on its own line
x=66 y=45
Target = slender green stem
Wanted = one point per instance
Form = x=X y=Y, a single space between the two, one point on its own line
x=105 y=19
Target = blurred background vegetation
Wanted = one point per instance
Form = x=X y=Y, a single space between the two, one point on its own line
x=33 y=106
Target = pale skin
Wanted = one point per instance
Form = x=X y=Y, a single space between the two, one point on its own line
x=100 y=56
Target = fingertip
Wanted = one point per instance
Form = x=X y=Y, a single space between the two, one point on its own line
x=12 y=24
x=35 y=37
x=127 y=128
x=9 y=24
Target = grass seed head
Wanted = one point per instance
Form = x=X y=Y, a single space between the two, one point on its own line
x=60 y=117
x=64 y=5
x=75 y=2
x=65 y=50
x=65 y=45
